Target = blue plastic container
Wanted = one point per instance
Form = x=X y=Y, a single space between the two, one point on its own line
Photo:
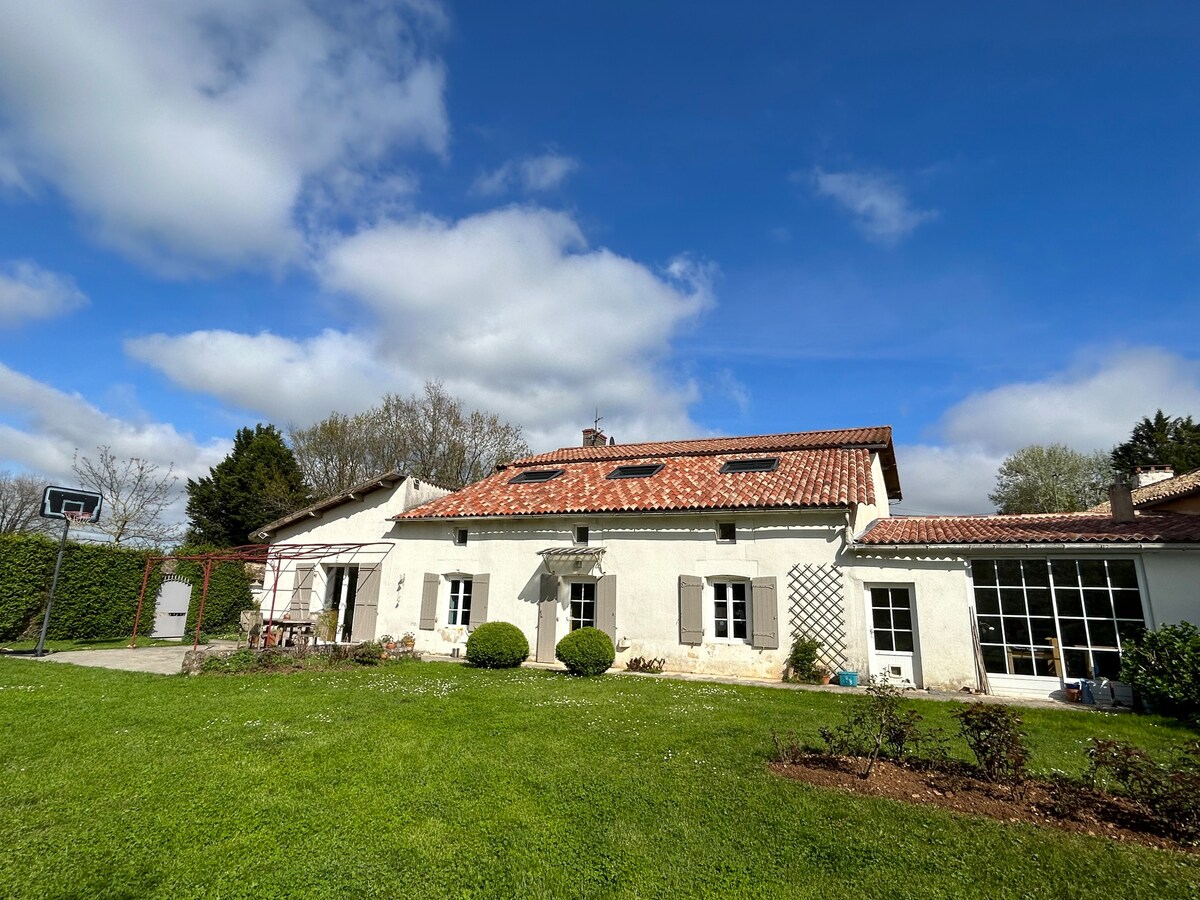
x=847 y=679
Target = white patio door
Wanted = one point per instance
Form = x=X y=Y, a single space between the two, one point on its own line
x=893 y=635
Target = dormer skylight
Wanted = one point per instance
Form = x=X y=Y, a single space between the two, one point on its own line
x=640 y=471
x=535 y=476
x=765 y=464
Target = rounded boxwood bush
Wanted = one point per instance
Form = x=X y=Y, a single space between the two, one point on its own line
x=586 y=651
x=497 y=645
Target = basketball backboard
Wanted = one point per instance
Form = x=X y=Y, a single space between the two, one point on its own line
x=58 y=502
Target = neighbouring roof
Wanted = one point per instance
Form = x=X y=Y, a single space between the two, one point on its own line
x=1060 y=528
x=386 y=481
x=1159 y=492
x=816 y=469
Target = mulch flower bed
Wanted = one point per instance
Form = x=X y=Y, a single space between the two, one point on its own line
x=1076 y=808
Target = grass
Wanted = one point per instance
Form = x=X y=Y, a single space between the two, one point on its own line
x=88 y=644
x=435 y=780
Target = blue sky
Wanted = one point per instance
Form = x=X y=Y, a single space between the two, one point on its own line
x=978 y=225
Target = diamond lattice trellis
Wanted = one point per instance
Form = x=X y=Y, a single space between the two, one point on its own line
x=818 y=609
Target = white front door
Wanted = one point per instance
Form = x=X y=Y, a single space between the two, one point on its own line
x=893 y=635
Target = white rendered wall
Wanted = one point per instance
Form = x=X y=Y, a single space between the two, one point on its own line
x=646 y=553
x=1173 y=583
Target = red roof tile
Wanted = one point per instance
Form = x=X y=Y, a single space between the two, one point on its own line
x=689 y=480
x=1159 y=492
x=1069 y=528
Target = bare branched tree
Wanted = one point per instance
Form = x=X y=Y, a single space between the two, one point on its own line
x=136 y=497
x=21 y=503
x=431 y=435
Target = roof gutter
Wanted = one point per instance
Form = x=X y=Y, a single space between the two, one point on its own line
x=963 y=549
x=707 y=511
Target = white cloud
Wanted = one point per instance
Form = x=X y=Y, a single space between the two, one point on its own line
x=511 y=309
x=192 y=132
x=28 y=291
x=1092 y=405
x=533 y=174
x=42 y=427
x=877 y=203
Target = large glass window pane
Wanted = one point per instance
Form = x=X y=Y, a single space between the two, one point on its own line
x=904 y=641
x=1044 y=664
x=1103 y=632
x=1037 y=573
x=883 y=640
x=1128 y=604
x=1093 y=573
x=1108 y=663
x=1069 y=601
x=1064 y=572
x=1022 y=660
x=987 y=600
x=1041 y=630
x=1077 y=665
x=1012 y=601
x=1122 y=573
x=1039 y=602
x=1009 y=572
x=1016 y=630
x=983 y=571
x=1130 y=631
x=902 y=618
x=1074 y=634
x=989 y=629
x=882 y=618
x=1097 y=604
x=994 y=660
x=739 y=610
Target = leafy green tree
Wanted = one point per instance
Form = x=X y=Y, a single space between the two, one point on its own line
x=1054 y=478
x=258 y=481
x=1161 y=441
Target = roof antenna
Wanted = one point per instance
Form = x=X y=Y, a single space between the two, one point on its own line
x=599 y=418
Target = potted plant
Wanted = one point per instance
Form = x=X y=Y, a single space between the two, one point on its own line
x=389 y=642
x=408 y=640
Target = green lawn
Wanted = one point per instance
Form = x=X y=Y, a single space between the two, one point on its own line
x=434 y=780
x=88 y=644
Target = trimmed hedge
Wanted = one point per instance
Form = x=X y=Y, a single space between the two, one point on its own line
x=97 y=589
x=586 y=651
x=1163 y=668
x=497 y=645
x=228 y=592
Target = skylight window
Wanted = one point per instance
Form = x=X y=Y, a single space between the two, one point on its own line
x=766 y=464
x=535 y=476
x=642 y=471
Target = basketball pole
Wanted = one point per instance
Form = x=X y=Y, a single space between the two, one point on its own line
x=62 y=545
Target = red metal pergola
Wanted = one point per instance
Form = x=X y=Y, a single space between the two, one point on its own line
x=272 y=556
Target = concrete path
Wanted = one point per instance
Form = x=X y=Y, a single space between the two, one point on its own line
x=155 y=660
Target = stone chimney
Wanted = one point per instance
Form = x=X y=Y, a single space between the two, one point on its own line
x=1152 y=474
x=594 y=437
x=1120 y=498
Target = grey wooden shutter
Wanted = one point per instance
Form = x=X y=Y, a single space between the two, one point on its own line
x=547 y=619
x=764 y=614
x=366 y=604
x=302 y=594
x=429 y=595
x=691 y=609
x=606 y=605
x=480 y=584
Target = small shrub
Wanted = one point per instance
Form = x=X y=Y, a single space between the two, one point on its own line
x=877 y=726
x=586 y=651
x=1163 y=668
x=641 y=664
x=802 y=665
x=1067 y=798
x=788 y=748
x=1166 y=794
x=367 y=653
x=497 y=645
x=993 y=732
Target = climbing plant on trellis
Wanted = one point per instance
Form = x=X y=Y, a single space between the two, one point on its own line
x=818 y=610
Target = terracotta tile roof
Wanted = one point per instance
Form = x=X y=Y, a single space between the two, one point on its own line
x=1061 y=528
x=816 y=469
x=1160 y=492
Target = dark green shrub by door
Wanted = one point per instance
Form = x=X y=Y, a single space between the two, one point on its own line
x=586 y=651
x=497 y=645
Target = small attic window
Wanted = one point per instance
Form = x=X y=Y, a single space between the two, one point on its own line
x=642 y=471
x=766 y=464
x=535 y=476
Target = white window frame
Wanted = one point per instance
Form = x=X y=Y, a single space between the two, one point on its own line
x=584 y=587
x=710 y=609
x=459 y=608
